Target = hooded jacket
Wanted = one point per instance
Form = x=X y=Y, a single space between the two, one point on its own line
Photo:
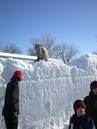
x=83 y=122
x=41 y=52
x=91 y=104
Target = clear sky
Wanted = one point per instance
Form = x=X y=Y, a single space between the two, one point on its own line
x=71 y=21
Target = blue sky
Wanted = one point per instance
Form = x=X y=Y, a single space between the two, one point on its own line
x=70 y=21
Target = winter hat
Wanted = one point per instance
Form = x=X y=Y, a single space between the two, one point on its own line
x=18 y=74
x=93 y=85
x=79 y=103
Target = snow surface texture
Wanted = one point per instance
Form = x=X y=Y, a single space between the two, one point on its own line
x=48 y=89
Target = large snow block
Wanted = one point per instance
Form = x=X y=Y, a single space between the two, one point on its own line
x=48 y=89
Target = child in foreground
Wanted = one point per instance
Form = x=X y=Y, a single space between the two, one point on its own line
x=80 y=120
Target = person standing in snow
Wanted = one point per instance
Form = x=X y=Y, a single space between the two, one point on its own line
x=11 y=104
x=80 y=120
x=41 y=52
x=91 y=102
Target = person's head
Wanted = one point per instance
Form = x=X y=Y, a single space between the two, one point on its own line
x=79 y=108
x=17 y=75
x=38 y=45
x=93 y=87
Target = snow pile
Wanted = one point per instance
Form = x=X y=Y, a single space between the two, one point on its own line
x=48 y=89
x=87 y=62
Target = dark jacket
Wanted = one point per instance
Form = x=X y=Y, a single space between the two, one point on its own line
x=91 y=104
x=11 y=103
x=83 y=122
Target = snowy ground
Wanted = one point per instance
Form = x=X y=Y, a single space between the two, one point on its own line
x=48 y=89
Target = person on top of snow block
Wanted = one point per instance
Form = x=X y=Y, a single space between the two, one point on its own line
x=80 y=120
x=41 y=52
x=11 y=104
x=91 y=102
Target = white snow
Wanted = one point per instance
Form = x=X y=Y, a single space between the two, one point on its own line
x=48 y=89
x=17 y=56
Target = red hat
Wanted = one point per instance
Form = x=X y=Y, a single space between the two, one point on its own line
x=93 y=85
x=79 y=103
x=18 y=74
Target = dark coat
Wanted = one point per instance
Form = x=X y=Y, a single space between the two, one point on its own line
x=83 y=122
x=91 y=104
x=11 y=103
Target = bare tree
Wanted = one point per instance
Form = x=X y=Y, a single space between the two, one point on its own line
x=95 y=52
x=49 y=42
x=10 y=48
x=31 y=51
x=68 y=51
x=62 y=51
